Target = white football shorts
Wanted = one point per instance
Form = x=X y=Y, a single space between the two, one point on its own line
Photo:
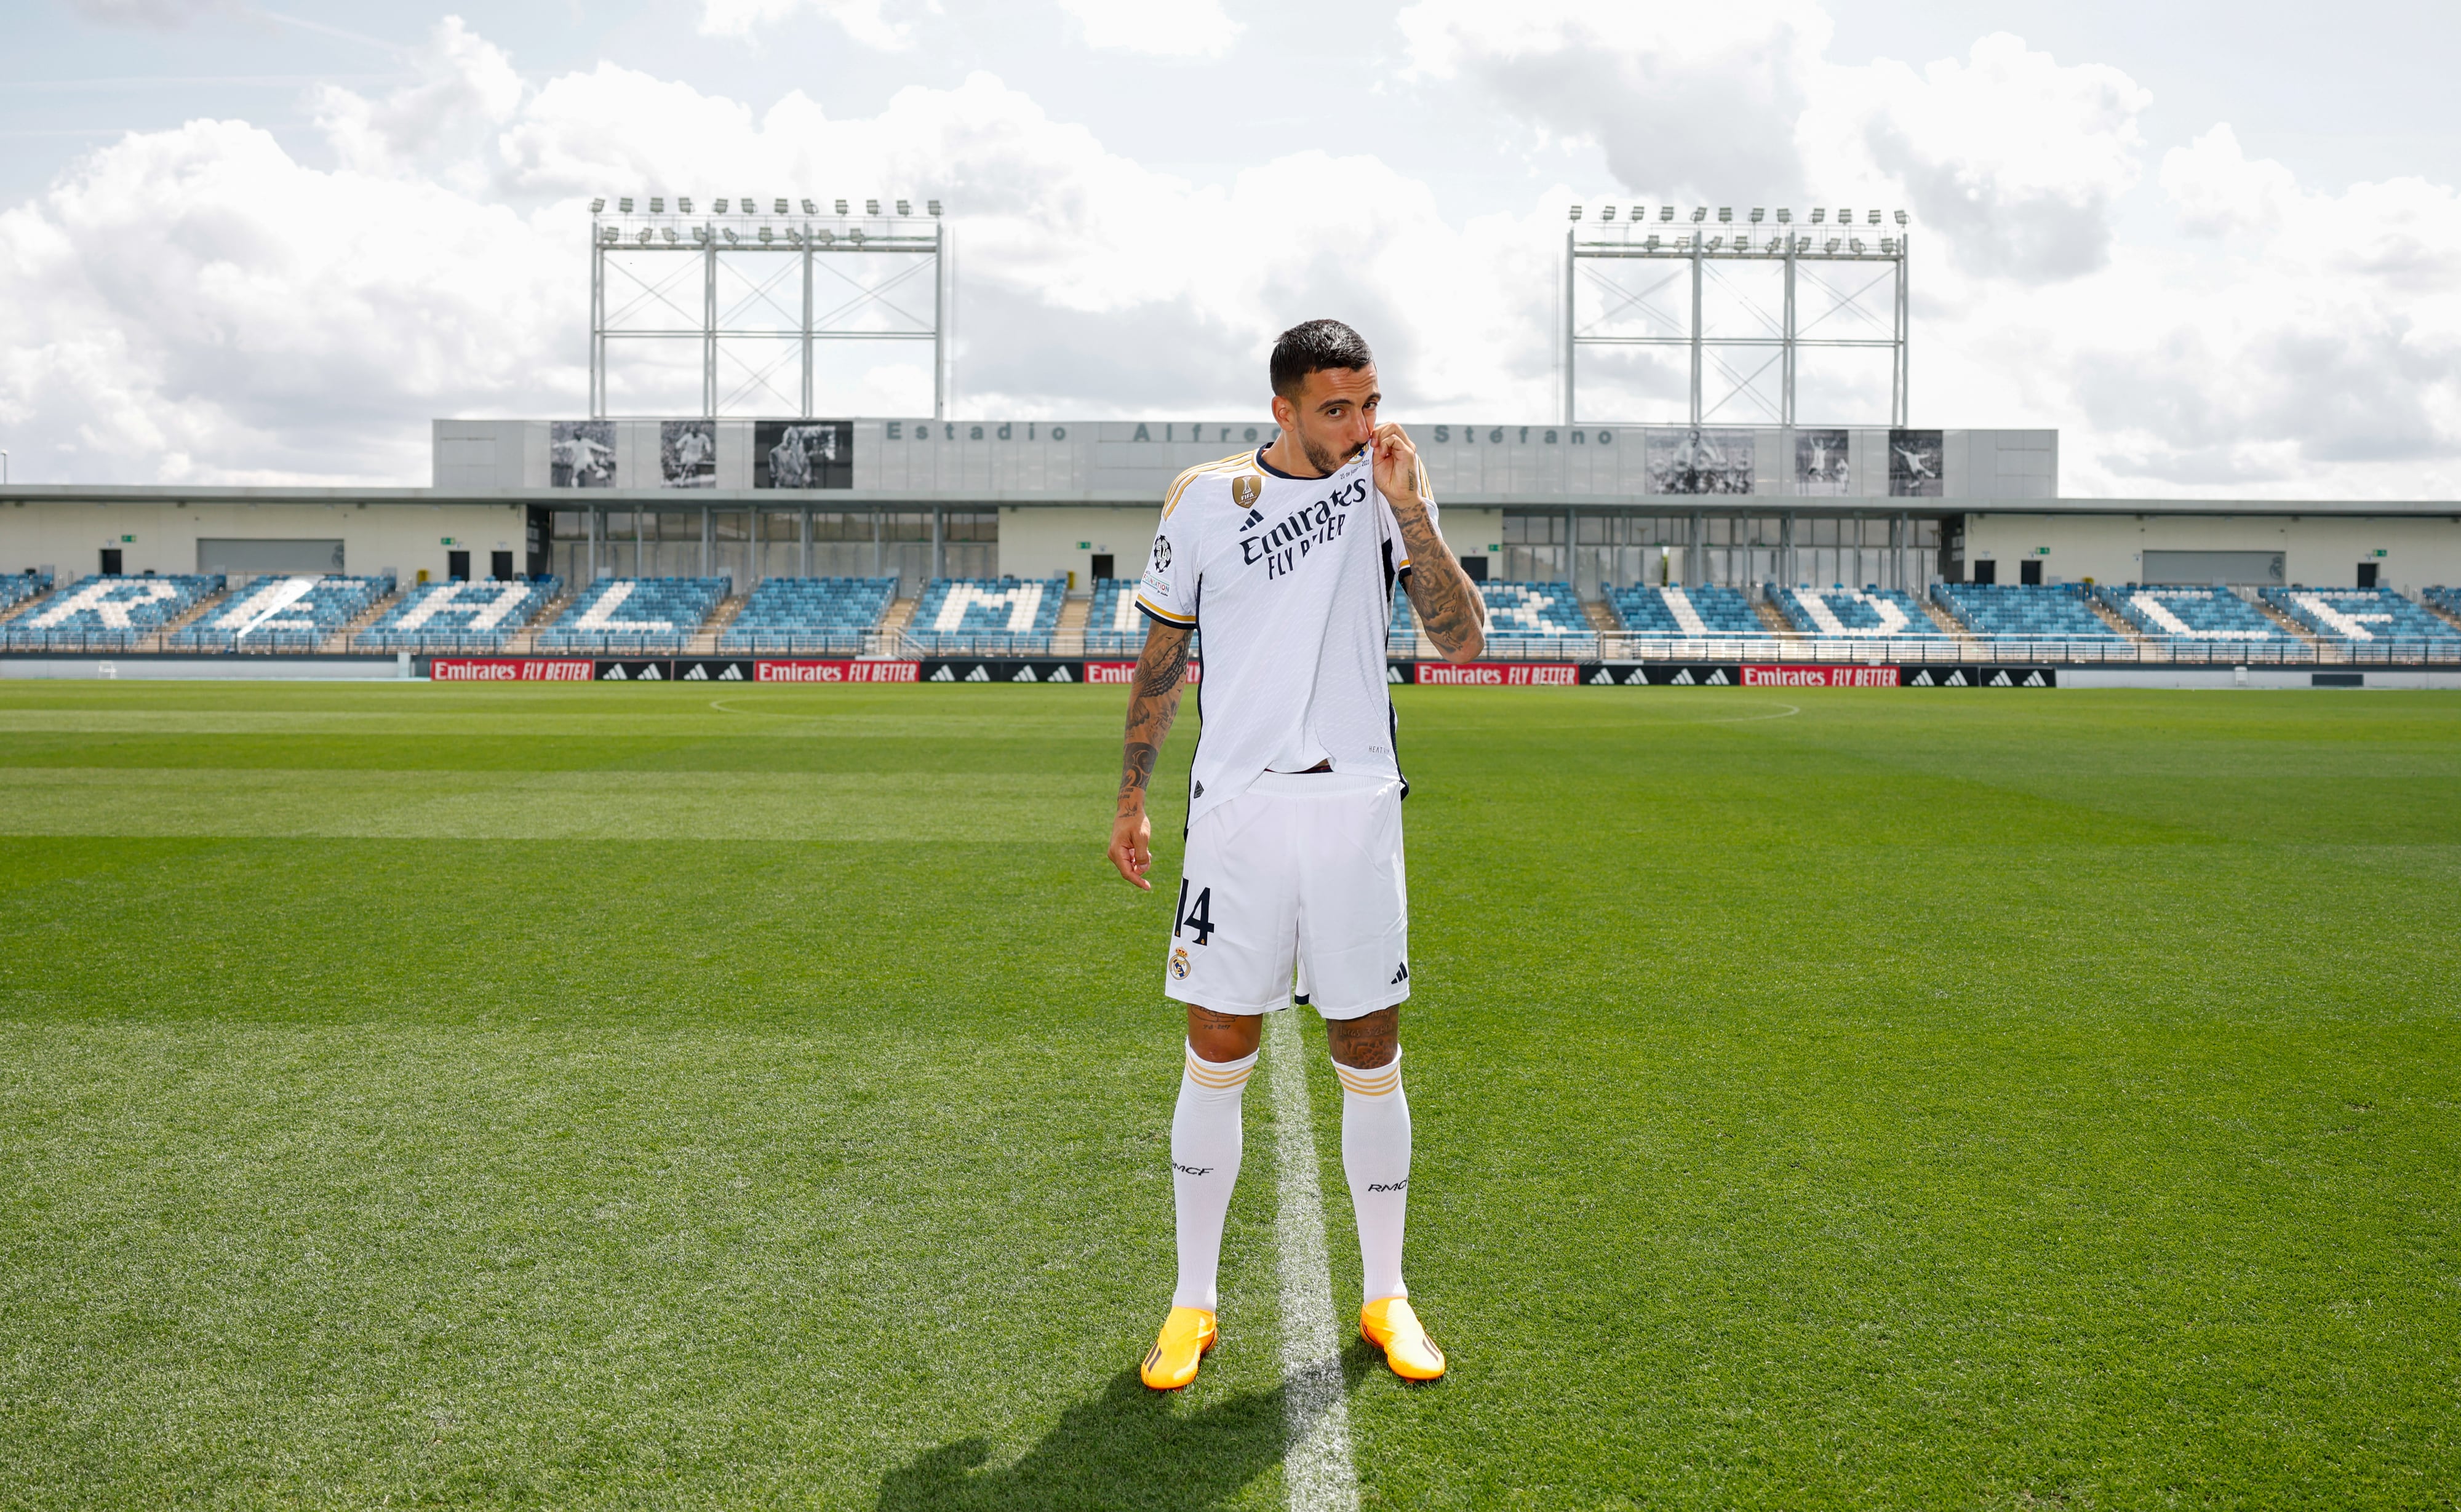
x=1301 y=873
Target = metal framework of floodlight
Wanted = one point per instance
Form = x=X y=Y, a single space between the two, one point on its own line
x=1844 y=288
x=792 y=282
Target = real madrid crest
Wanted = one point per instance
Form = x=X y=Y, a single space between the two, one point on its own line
x=1179 y=964
x=1245 y=489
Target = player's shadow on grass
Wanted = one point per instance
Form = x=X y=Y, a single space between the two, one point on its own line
x=1128 y=1447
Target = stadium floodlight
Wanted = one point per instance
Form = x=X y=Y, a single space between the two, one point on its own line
x=1888 y=246
x=780 y=209
x=747 y=205
x=1725 y=215
x=1833 y=245
x=658 y=206
x=1716 y=242
x=1577 y=212
x=1816 y=216
x=829 y=239
x=598 y=206
x=1901 y=217
x=765 y=233
x=1666 y=212
x=809 y=209
x=683 y=204
x=645 y=236
x=932 y=205
x=795 y=235
x=1607 y=214
x=1785 y=216
x=625 y=204
x=842 y=208
x=700 y=236
x=610 y=235
x=872 y=207
x=905 y=207
x=731 y=237
x=1700 y=213
x=1652 y=243
x=1874 y=220
x=1858 y=244
x=670 y=234
x=1757 y=213
x=855 y=236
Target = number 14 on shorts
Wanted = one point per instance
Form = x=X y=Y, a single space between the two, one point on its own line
x=1198 y=916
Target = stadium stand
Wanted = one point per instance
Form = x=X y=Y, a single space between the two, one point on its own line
x=1533 y=612
x=2191 y=614
x=635 y=616
x=2449 y=600
x=1684 y=611
x=17 y=587
x=460 y=616
x=283 y=615
x=988 y=615
x=829 y=615
x=1113 y=625
x=1873 y=613
x=2053 y=613
x=100 y=613
x=2360 y=616
x=1401 y=636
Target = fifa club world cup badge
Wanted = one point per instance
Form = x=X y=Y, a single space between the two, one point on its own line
x=1245 y=489
x=1162 y=554
x=1179 y=964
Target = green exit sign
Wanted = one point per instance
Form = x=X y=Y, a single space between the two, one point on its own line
x=132 y=539
x=448 y=541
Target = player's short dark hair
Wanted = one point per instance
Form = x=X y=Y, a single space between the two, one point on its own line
x=1313 y=346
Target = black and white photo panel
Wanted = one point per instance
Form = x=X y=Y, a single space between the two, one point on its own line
x=1915 y=464
x=1696 y=461
x=581 y=453
x=1820 y=470
x=688 y=454
x=803 y=454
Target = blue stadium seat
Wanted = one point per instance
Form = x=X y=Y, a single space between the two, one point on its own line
x=635 y=616
x=1533 y=612
x=2449 y=600
x=1677 y=611
x=2191 y=614
x=827 y=615
x=2359 y=616
x=1873 y=613
x=460 y=616
x=283 y=615
x=19 y=587
x=1402 y=635
x=106 y=613
x=2059 y=611
x=1113 y=625
x=1014 y=616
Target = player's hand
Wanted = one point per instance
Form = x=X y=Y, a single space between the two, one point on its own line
x=1132 y=847
x=1397 y=465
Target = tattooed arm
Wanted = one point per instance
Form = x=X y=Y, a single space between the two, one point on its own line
x=1153 y=702
x=1450 y=611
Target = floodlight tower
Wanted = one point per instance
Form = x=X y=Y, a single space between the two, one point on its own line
x=1647 y=277
x=772 y=282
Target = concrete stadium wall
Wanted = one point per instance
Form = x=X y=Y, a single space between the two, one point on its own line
x=69 y=537
x=2319 y=550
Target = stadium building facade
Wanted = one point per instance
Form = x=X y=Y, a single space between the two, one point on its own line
x=912 y=537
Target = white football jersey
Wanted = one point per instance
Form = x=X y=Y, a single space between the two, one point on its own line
x=1289 y=583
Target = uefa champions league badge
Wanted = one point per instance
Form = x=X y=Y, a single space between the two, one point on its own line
x=1179 y=964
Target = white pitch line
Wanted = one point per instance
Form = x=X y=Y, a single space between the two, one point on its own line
x=1318 y=1466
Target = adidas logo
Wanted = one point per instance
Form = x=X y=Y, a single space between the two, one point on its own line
x=1024 y=674
x=1716 y=679
x=650 y=674
x=1400 y=974
x=2033 y=680
x=732 y=673
x=1604 y=678
x=943 y=675
x=1954 y=679
x=1999 y=680
x=1254 y=516
x=1683 y=679
x=1060 y=674
x=697 y=675
x=1920 y=679
x=615 y=674
x=1392 y=673
x=980 y=674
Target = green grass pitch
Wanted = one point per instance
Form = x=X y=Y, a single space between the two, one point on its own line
x=628 y=1097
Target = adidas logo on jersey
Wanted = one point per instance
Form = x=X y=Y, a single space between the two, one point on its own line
x=1400 y=974
x=1255 y=517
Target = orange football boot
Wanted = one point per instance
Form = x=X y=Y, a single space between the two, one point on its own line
x=1392 y=1326
x=1186 y=1334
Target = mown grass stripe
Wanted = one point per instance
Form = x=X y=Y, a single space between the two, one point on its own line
x=1317 y=1468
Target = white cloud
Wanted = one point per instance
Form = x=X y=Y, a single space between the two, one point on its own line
x=864 y=20
x=1165 y=28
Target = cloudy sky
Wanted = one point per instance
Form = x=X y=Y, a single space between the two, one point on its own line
x=2216 y=245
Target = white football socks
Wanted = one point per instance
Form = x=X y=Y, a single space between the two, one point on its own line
x=1376 y=1155
x=1205 y=1140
